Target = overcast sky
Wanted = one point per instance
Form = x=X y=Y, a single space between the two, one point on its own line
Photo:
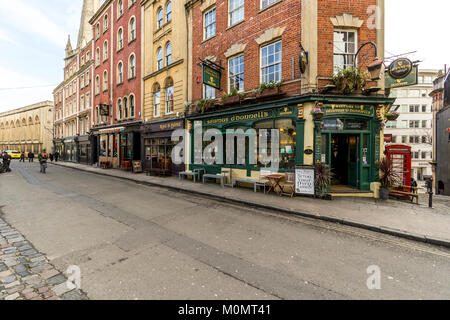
x=33 y=35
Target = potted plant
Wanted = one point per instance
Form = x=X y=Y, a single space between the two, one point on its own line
x=350 y=80
x=322 y=177
x=392 y=115
x=269 y=89
x=204 y=105
x=231 y=98
x=388 y=178
x=317 y=113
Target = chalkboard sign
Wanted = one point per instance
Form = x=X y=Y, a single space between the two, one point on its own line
x=304 y=181
x=137 y=167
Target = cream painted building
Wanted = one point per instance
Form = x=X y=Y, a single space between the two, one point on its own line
x=165 y=84
x=27 y=129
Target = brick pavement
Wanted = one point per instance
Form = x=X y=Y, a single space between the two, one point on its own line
x=26 y=274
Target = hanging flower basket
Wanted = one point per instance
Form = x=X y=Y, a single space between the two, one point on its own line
x=317 y=113
x=392 y=116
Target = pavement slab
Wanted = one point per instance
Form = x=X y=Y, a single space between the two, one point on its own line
x=22 y=267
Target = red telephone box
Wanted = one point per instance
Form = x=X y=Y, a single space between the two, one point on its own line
x=400 y=157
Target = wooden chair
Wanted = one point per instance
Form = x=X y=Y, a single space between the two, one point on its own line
x=288 y=186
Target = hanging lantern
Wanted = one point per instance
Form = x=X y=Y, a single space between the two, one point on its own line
x=375 y=69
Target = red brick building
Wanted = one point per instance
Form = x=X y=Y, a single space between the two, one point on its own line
x=117 y=82
x=255 y=48
x=73 y=98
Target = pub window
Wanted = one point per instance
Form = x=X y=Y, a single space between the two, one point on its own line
x=209 y=24
x=209 y=92
x=287 y=142
x=103 y=141
x=236 y=73
x=169 y=11
x=271 y=62
x=235 y=11
x=345 y=43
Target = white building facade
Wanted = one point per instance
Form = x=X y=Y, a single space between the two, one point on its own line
x=414 y=127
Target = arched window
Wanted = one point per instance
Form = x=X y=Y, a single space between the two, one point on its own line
x=169 y=11
x=97 y=57
x=97 y=30
x=156 y=100
x=132 y=35
x=105 y=50
x=169 y=96
x=132 y=67
x=160 y=18
x=97 y=85
x=132 y=108
x=105 y=80
x=125 y=107
x=120 y=8
x=120 y=39
x=159 y=54
x=168 y=53
x=105 y=23
x=120 y=72
x=119 y=109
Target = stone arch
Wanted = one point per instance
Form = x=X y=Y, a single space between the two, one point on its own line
x=37 y=126
x=17 y=131
x=30 y=129
x=23 y=131
x=2 y=132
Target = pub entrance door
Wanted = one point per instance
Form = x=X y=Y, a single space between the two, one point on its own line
x=345 y=160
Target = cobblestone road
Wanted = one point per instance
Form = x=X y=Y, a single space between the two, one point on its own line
x=26 y=274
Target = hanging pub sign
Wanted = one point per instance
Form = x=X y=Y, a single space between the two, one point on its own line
x=211 y=77
x=104 y=110
x=410 y=80
x=303 y=60
x=400 y=68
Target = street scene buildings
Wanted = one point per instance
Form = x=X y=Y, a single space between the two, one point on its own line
x=327 y=157
x=414 y=127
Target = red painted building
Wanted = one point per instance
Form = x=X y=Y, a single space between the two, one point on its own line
x=117 y=82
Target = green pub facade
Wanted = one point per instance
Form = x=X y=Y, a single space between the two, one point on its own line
x=348 y=138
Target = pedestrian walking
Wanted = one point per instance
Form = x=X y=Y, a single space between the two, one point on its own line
x=56 y=156
x=43 y=157
x=31 y=156
x=22 y=157
x=51 y=157
x=6 y=162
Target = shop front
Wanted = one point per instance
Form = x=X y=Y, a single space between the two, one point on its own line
x=118 y=147
x=157 y=146
x=243 y=129
x=70 y=149
x=348 y=139
x=85 y=150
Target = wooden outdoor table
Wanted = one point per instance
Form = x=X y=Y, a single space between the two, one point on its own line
x=275 y=180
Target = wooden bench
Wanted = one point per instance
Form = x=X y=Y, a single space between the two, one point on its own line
x=256 y=183
x=105 y=164
x=408 y=191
